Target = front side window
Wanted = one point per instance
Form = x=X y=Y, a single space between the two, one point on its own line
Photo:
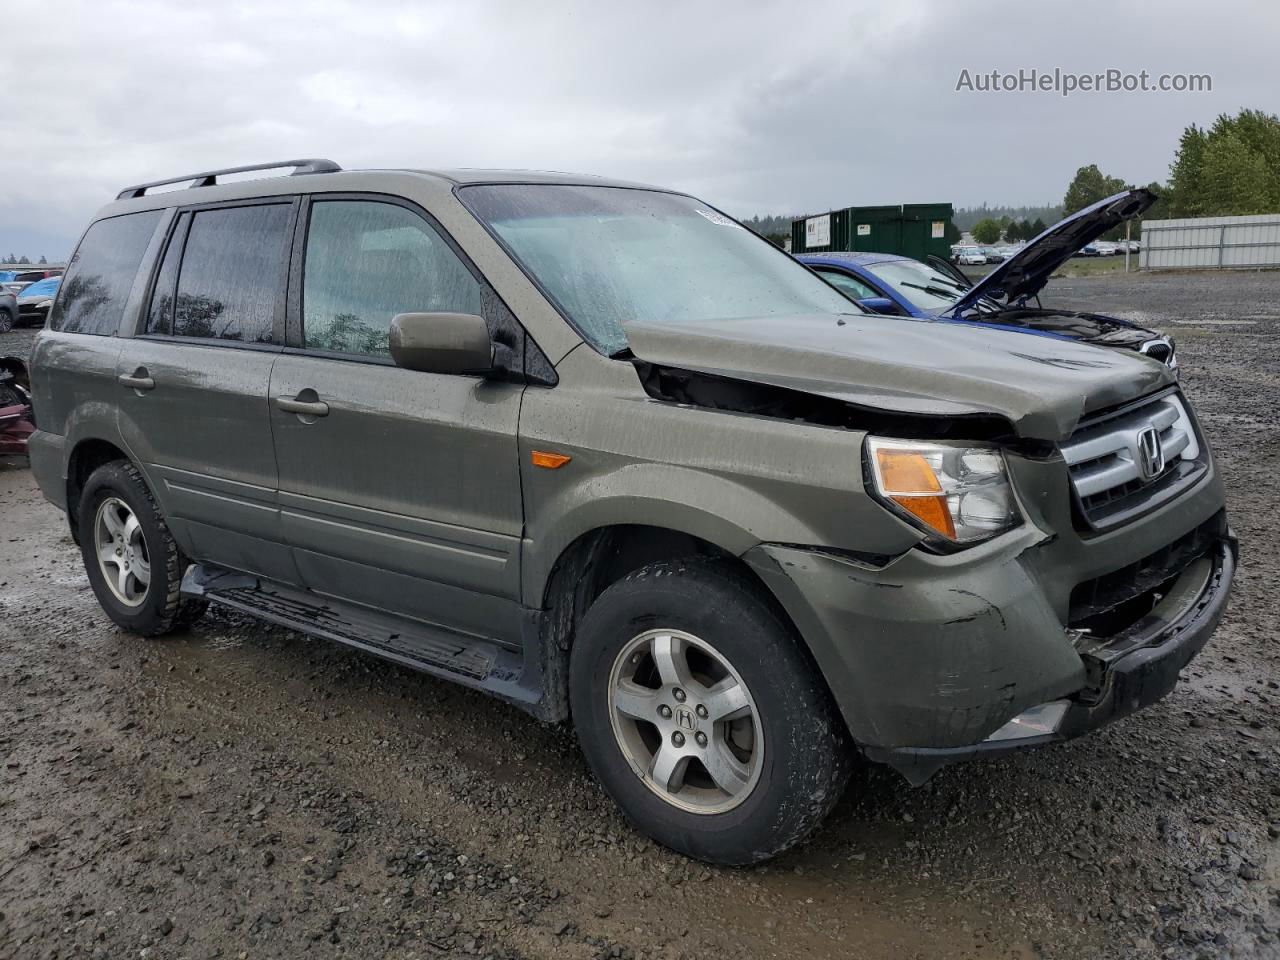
x=606 y=255
x=368 y=261
x=101 y=273
x=853 y=288
x=232 y=275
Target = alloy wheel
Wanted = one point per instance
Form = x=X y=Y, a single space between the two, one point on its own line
x=685 y=721
x=122 y=552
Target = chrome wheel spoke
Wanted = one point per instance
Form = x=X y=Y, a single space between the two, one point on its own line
x=668 y=768
x=727 y=700
x=132 y=529
x=141 y=570
x=632 y=700
x=122 y=582
x=671 y=659
x=107 y=554
x=111 y=520
x=729 y=773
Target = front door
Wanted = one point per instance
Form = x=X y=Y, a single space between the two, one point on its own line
x=398 y=489
x=193 y=384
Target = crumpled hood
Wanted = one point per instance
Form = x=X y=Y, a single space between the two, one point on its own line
x=1025 y=273
x=1041 y=385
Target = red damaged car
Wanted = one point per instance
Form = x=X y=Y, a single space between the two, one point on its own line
x=15 y=407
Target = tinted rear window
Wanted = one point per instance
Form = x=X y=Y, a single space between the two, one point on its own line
x=232 y=277
x=101 y=273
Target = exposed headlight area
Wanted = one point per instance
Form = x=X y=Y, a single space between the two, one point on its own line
x=1162 y=349
x=958 y=494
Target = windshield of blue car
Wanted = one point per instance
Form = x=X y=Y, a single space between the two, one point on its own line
x=921 y=285
x=606 y=255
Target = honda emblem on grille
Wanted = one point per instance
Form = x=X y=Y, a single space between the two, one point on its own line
x=1150 y=453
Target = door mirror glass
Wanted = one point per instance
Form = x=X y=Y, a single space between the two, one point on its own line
x=441 y=343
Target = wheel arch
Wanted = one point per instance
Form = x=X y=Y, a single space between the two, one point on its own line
x=88 y=454
x=600 y=557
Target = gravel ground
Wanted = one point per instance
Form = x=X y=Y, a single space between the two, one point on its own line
x=241 y=791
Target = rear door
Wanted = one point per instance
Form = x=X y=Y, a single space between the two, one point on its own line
x=192 y=384
x=403 y=491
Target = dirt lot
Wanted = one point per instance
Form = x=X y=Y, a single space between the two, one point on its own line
x=242 y=792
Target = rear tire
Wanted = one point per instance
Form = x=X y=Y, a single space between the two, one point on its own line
x=134 y=564
x=734 y=790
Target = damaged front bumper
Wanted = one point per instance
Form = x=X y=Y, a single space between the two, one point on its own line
x=1129 y=673
x=933 y=659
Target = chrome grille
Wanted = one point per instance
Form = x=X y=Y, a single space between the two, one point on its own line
x=1112 y=464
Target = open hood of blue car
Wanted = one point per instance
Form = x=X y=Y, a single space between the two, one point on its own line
x=1025 y=273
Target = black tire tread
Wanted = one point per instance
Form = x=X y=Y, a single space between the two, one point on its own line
x=829 y=761
x=177 y=612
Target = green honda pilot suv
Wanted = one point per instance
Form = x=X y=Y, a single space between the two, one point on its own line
x=598 y=450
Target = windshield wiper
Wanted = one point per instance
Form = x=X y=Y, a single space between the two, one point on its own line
x=930 y=288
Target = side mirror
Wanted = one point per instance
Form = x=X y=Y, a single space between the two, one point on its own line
x=879 y=304
x=441 y=343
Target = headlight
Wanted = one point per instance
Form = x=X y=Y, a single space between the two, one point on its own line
x=961 y=493
x=43 y=304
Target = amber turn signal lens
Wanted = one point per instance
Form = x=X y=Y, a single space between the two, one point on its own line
x=905 y=471
x=932 y=510
x=551 y=461
x=909 y=480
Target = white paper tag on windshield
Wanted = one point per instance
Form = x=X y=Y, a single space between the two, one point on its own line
x=716 y=218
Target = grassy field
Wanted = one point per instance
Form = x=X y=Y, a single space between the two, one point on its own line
x=1075 y=267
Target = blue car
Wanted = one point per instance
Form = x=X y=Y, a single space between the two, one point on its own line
x=35 y=301
x=889 y=283
x=901 y=286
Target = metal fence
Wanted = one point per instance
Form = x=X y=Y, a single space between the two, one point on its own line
x=1211 y=243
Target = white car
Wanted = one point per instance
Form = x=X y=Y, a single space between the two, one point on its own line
x=970 y=256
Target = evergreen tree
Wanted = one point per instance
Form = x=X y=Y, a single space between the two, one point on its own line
x=1233 y=168
x=1234 y=179
x=1186 y=196
x=1088 y=187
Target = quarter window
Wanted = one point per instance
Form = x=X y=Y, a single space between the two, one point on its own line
x=366 y=262
x=101 y=274
x=232 y=274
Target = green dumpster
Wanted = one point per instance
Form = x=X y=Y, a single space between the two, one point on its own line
x=924 y=230
x=912 y=230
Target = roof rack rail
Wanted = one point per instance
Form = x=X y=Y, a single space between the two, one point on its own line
x=210 y=179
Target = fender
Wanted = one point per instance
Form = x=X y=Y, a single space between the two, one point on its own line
x=730 y=515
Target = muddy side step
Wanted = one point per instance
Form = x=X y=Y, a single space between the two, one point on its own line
x=472 y=661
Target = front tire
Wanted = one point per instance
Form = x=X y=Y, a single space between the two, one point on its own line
x=134 y=565
x=702 y=716
x=7 y=321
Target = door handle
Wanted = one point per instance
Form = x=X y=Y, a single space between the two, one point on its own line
x=303 y=408
x=138 y=380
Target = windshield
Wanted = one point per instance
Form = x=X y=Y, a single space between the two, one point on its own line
x=606 y=255
x=918 y=283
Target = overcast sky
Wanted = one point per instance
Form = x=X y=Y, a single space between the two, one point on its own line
x=756 y=107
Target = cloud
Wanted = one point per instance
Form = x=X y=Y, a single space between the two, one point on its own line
x=757 y=107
